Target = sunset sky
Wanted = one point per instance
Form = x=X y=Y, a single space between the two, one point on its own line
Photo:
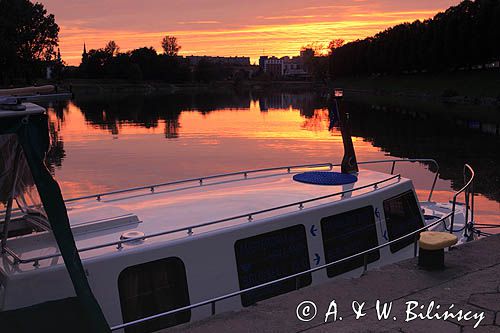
x=227 y=27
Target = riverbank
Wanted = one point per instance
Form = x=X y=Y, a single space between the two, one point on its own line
x=468 y=88
x=471 y=87
x=477 y=88
x=469 y=283
x=101 y=86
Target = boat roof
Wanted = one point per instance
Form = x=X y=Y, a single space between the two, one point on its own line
x=228 y=201
x=30 y=109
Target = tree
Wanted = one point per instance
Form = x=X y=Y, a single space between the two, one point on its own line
x=28 y=36
x=170 y=46
x=335 y=44
x=96 y=62
x=312 y=49
x=112 y=48
x=147 y=59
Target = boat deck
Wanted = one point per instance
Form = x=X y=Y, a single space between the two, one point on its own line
x=30 y=109
x=189 y=209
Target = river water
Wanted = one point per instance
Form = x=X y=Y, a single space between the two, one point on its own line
x=102 y=143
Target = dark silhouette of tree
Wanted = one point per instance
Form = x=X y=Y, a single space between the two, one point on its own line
x=136 y=65
x=170 y=46
x=146 y=58
x=28 y=38
x=112 y=48
x=335 y=44
x=96 y=62
x=312 y=49
x=460 y=38
x=206 y=72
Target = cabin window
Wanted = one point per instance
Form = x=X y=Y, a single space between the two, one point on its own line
x=151 y=288
x=271 y=256
x=347 y=234
x=402 y=216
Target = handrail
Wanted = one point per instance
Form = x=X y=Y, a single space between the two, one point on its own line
x=468 y=188
x=200 y=180
x=289 y=168
x=422 y=160
x=212 y=301
x=189 y=229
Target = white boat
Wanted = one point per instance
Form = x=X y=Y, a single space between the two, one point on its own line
x=170 y=253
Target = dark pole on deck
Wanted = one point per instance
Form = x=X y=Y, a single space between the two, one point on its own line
x=349 y=162
x=8 y=211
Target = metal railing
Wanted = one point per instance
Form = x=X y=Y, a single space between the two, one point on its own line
x=214 y=300
x=245 y=175
x=421 y=160
x=467 y=189
x=119 y=244
x=250 y=216
x=201 y=180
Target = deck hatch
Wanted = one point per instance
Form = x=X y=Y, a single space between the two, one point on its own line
x=151 y=288
x=271 y=256
x=347 y=234
x=402 y=216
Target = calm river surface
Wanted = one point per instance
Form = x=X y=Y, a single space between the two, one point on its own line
x=102 y=143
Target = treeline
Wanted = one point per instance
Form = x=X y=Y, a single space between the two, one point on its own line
x=146 y=64
x=463 y=36
x=139 y=64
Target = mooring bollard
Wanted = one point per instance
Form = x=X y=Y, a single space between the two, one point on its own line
x=432 y=245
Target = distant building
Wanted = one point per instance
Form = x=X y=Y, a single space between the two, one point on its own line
x=262 y=61
x=232 y=61
x=286 y=67
x=236 y=67
x=295 y=67
x=273 y=66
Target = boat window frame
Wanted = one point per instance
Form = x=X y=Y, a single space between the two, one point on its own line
x=374 y=256
x=398 y=246
x=248 y=299
x=170 y=321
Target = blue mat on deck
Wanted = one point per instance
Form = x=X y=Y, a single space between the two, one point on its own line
x=325 y=178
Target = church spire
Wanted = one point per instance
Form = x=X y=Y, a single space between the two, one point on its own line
x=84 y=54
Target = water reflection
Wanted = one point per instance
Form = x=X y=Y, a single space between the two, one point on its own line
x=443 y=136
x=147 y=111
x=107 y=142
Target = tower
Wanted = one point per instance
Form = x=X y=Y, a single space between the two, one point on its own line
x=84 y=54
